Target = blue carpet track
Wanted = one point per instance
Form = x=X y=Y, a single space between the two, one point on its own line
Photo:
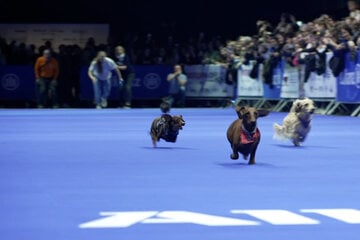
x=61 y=169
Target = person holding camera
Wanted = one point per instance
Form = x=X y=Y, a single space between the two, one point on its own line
x=177 y=81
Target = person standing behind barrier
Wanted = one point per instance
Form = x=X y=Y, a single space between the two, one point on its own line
x=354 y=9
x=123 y=63
x=46 y=72
x=177 y=88
x=100 y=72
x=231 y=62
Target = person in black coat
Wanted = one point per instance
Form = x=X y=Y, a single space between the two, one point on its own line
x=127 y=70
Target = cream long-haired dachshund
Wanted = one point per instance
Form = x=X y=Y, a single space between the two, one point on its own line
x=297 y=124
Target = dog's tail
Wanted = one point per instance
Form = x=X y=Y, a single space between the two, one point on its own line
x=279 y=132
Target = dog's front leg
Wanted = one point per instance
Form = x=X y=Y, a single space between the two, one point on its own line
x=296 y=143
x=252 y=155
x=235 y=154
x=296 y=139
x=154 y=139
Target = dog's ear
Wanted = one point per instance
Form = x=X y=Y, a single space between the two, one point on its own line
x=296 y=106
x=312 y=103
x=262 y=112
x=181 y=118
x=240 y=111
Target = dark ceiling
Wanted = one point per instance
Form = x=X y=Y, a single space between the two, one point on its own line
x=223 y=17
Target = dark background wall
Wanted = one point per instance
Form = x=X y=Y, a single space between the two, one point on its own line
x=225 y=17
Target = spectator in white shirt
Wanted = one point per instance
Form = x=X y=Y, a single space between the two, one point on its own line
x=100 y=71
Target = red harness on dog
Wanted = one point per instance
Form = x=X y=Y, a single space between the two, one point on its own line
x=246 y=137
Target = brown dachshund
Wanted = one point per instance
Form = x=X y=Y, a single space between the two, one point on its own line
x=166 y=127
x=243 y=134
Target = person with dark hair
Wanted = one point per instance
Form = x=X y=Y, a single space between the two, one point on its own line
x=46 y=72
x=100 y=72
x=287 y=25
x=127 y=71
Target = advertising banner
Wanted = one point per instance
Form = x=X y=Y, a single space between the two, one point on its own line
x=206 y=81
x=290 y=83
x=57 y=34
x=321 y=86
x=349 y=81
x=149 y=83
x=17 y=83
x=273 y=92
x=247 y=86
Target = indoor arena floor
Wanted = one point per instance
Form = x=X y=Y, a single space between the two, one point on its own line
x=84 y=174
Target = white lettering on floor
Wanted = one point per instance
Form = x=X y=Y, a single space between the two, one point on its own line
x=278 y=217
x=271 y=216
x=197 y=218
x=118 y=219
x=351 y=216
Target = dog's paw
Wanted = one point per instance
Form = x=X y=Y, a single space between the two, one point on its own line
x=234 y=156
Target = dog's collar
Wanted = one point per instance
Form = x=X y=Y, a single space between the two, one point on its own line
x=247 y=137
x=248 y=132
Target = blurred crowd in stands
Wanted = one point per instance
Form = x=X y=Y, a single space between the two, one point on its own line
x=298 y=43
x=143 y=49
x=290 y=39
x=286 y=38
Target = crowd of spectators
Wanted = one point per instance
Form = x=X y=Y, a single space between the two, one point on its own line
x=146 y=49
x=300 y=44
x=143 y=49
x=287 y=36
x=296 y=42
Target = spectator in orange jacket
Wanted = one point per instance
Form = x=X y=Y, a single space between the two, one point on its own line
x=46 y=72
